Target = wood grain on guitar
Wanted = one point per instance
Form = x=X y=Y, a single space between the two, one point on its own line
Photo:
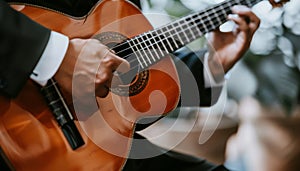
x=29 y=134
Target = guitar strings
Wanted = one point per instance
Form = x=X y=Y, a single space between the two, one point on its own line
x=166 y=38
x=200 y=13
x=134 y=67
x=211 y=11
x=195 y=27
x=210 y=19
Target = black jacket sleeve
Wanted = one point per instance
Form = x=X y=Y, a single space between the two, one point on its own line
x=22 y=42
x=190 y=69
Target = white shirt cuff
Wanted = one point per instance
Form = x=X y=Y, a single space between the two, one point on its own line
x=209 y=80
x=51 y=58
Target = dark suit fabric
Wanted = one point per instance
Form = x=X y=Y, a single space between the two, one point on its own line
x=166 y=160
x=22 y=42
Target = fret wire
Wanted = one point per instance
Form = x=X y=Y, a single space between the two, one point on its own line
x=210 y=28
x=209 y=20
x=225 y=2
x=177 y=30
x=143 y=59
x=200 y=15
x=181 y=25
x=140 y=62
x=218 y=17
x=177 y=34
x=137 y=66
x=168 y=41
x=176 y=38
x=189 y=29
x=166 y=37
x=243 y=2
x=154 y=46
x=148 y=49
x=169 y=31
x=215 y=12
x=224 y=11
x=204 y=25
x=143 y=50
x=199 y=24
x=202 y=21
x=162 y=41
x=139 y=50
x=212 y=10
x=160 y=50
x=196 y=28
x=173 y=33
x=227 y=6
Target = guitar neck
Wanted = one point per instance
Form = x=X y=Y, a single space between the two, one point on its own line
x=150 y=47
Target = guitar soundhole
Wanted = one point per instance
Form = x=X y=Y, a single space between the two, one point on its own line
x=132 y=82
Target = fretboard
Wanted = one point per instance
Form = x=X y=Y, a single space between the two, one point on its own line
x=150 y=47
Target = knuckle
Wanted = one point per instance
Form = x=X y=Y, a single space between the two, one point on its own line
x=104 y=77
x=92 y=41
x=93 y=53
x=110 y=61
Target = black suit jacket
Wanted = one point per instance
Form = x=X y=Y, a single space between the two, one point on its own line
x=21 y=45
x=23 y=41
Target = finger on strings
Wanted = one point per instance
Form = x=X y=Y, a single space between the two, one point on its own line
x=117 y=63
x=241 y=23
x=104 y=75
x=249 y=16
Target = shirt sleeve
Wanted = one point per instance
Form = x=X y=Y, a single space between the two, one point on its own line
x=51 y=58
x=209 y=80
x=191 y=69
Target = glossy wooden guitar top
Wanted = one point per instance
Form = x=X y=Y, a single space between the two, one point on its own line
x=29 y=134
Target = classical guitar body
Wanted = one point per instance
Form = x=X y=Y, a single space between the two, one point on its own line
x=33 y=139
x=30 y=136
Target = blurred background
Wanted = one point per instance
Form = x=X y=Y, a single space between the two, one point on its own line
x=269 y=72
x=270 y=69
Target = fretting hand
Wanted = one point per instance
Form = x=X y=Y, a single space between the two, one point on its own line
x=228 y=47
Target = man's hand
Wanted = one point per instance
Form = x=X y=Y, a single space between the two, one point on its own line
x=228 y=47
x=91 y=64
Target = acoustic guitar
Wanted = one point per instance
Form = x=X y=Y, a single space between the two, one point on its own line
x=34 y=136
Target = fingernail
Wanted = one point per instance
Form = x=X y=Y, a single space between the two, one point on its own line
x=234 y=8
x=238 y=8
x=231 y=16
